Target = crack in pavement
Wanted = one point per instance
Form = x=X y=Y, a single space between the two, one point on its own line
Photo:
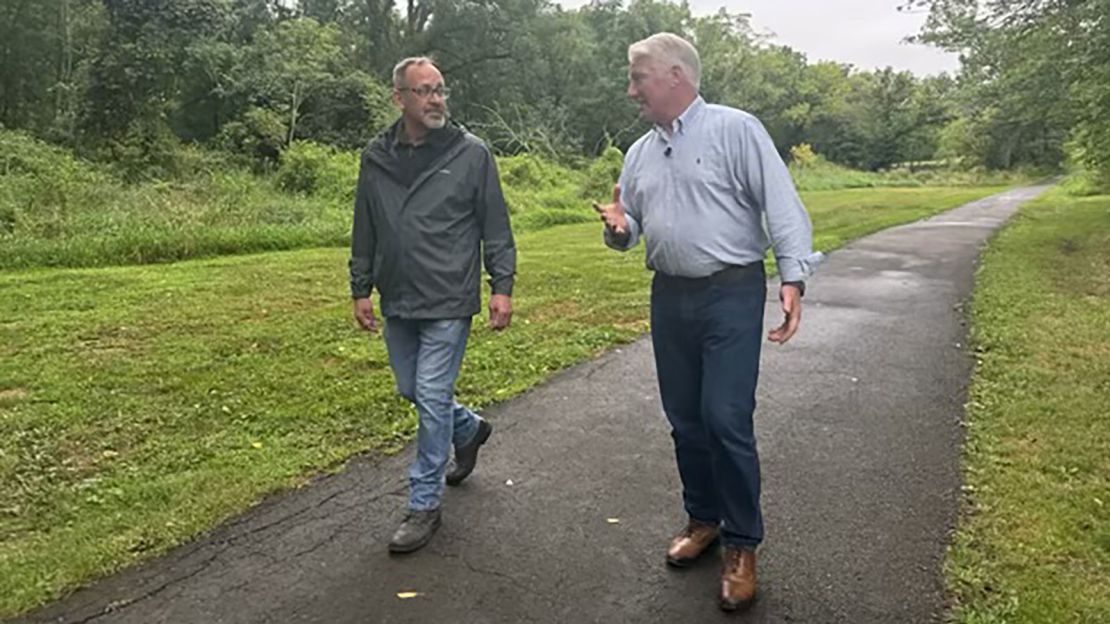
x=529 y=586
x=225 y=544
x=119 y=606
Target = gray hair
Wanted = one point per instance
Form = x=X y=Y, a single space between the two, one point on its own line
x=672 y=50
x=400 y=68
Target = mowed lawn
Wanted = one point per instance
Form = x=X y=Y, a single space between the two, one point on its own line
x=142 y=405
x=1034 y=539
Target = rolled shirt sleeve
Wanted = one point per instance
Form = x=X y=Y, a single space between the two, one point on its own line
x=769 y=184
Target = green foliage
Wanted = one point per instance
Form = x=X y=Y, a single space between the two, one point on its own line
x=45 y=45
x=541 y=193
x=259 y=134
x=62 y=211
x=528 y=79
x=42 y=186
x=310 y=168
x=528 y=171
x=133 y=77
x=346 y=111
x=532 y=183
x=1035 y=76
x=602 y=174
x=148 y=150
x=1084 y=183
x=867 y=120
x=124 y=78
x=290 y=63
x=23 y=155
x=818 y=174
x=58 y=210
x=802 y=156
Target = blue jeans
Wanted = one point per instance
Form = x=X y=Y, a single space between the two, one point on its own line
x=426 y=356
x=707 y=334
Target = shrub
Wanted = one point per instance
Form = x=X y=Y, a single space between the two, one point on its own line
x=310 y=168
x=802 y=155
x=602 y=174
x=148 y=151
x=259 y=135
x=21 y=154
x=528 y=171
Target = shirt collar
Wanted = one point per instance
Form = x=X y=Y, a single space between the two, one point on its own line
x=436 y=137
x=688 y=117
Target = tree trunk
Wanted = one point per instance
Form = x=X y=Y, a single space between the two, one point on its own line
x=293 y=113
x=379 y=37
x=62 y=94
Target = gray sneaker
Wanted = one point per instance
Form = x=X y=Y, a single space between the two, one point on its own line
x=466 y=457
x=415 y=531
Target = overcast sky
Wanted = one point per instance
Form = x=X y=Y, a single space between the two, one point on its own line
x=865 y=33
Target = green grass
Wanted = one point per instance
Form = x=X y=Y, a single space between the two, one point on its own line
x=839 y=216
x=1033 y=543
x=141 y=405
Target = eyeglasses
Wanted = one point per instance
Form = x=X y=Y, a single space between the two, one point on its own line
x=424 y=91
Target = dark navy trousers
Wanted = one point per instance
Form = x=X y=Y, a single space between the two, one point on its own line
x=707 y=334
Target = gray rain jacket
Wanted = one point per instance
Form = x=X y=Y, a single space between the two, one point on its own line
x=420 y=245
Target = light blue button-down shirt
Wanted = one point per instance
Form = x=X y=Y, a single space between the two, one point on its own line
x=714 y=193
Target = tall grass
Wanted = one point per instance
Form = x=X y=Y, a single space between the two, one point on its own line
x=818 y=174
x=57 y=210
x=60 y=211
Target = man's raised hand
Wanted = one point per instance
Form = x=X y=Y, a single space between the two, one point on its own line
x=612 y=214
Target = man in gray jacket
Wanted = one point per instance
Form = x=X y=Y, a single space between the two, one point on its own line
x=427 y=207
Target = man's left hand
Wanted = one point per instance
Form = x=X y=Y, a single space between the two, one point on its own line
x=791 y=298
x=500 y=311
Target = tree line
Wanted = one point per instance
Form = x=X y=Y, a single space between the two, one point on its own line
x=1034 y=86
x=129 y=80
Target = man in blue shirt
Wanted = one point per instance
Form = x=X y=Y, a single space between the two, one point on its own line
x=699 y=188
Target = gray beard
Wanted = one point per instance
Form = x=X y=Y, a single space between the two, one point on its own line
x=435 y=122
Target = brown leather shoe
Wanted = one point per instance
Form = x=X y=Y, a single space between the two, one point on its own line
x=737 y=579
x=691 y=543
